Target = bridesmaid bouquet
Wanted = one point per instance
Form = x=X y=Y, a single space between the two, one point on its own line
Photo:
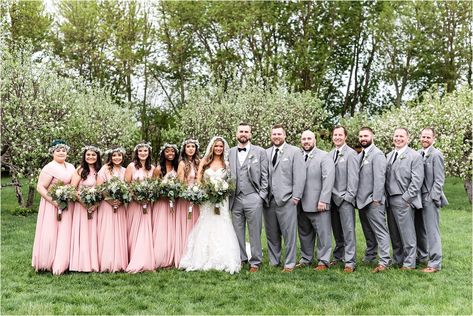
x=90 y=196
x=143 y=193
x=195 y=195
x=115 y=189
x=218 y=189
x=170 y=189
x=62 y=194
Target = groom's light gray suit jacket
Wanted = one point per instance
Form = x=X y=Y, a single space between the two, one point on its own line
x=319 y=180
x=287 y=177
x=256 y=168
x=408 y=174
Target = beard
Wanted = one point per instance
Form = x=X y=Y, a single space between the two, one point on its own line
x=366 y=144
x=243 y=140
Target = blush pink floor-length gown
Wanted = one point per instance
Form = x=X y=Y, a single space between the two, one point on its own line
x=112 y=230
x=140 y=231
x=52 y=240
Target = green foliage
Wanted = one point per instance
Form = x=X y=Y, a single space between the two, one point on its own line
x=23 y=211
x=210 y=113
x=450 y=115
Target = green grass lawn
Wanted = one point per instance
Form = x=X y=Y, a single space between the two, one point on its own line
x=305 y=291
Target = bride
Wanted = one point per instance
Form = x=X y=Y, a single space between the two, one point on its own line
x=213 y=244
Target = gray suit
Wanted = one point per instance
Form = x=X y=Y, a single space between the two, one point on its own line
x=312 y=222
x=372 y=177
x=247 y=201
x=286 y=181
x=343 y=205
x=404 y=180
x=427 y=227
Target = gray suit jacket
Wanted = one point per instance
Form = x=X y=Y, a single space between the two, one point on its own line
x=287 y=177
x=372 y=177
x=319 y=180
x=257 y=169
x=434 y=176
x=409 y=175
x=346 y=176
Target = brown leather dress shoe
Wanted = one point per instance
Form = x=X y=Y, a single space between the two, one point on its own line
x=379 y=268
x=287 y=270
x=253 y=269
x=429 y=270
x=321 y=267
x=406 y=268
x=348 y=269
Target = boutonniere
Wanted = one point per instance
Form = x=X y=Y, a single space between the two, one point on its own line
x=426 y=156
x=366 y=161
x=281 y=151
x=250 y=156
x=402 y=157
x=310 y=156
x=340 y=154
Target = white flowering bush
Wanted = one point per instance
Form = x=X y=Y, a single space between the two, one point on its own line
x=38 y=105
x=209 y=113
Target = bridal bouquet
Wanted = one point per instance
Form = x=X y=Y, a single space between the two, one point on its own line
x=115 y=189
x=62 y=194
x=143 y=193
x=170 y=189
x=218 y=189
x=195 y=195
x=90 y=196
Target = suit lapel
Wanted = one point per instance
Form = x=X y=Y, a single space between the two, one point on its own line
x=233 y=165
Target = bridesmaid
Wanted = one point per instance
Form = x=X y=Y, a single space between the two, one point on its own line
x=112 y=228
x=52 y=237
x=164 y=221
x=139 y=226
x=84 y=253
x=187 y=173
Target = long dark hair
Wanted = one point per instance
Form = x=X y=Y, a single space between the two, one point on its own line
x=137 y=161
x=195 y=159
x=162 y=160
x=85 y=169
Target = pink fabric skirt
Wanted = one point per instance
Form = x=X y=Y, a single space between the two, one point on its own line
x=184 y=226
x=84 y=252
x=140 y=239
x=112 y=238
x=164 y=233
x=51 y=248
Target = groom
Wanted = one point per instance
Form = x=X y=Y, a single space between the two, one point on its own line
x=249 y=166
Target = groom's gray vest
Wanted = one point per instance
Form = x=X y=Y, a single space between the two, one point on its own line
x=243 y=184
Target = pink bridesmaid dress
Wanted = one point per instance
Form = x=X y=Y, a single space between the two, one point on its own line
x=52 y=239
x=140 y=232
x=184 y=225
x=84 y=252
x=112 y=230
x=164 y=231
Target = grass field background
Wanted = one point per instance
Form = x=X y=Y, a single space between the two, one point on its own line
x=304 y=291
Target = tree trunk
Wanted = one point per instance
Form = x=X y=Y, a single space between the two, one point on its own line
x=19 y=194
x=31 y=194
x=468 y=188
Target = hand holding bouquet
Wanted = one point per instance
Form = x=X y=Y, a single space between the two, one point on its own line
x=115 y=190
x=170 y=189
x=142 y=193
x=195 y=194
x=90 y=196
x=62 y=194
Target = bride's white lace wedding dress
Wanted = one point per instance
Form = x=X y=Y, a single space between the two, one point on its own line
x=212 y=244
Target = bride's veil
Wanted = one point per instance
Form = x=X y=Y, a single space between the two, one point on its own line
x=226 y=148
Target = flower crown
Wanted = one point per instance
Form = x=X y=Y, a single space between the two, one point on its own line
x=92 y=148
x=147 y=145
x=190 y=141
x=166 y=145
x=57 y=143
x=120 y=150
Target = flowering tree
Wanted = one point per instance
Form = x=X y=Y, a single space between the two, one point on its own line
x=37 y=106
x=207 y=114
x=450 y=115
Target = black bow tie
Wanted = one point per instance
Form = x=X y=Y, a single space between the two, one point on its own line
x=241 y=149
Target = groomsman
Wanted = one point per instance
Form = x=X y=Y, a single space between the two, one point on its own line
x=286 y=185
x=432 y=199
x=404 y=178
x=370 y=199
x=249 y=166
x=313 y=213
x=344 y=199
